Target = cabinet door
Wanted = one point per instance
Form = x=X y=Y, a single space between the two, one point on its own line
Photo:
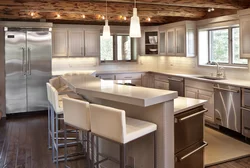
x=92 y=43
x=180 y=41
x=209 y=96
x=76 y=42
x=145 y=79
x=60 y=42
x=171 y=42
x=191 y=92
x=161 y=85
x=190 y=42
x=162 y=46
x=245 y=37
x=137 y=82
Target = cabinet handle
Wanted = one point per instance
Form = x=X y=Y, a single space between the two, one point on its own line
x=190 y=116
x=246 y=128
x=243 y=108
x=218 y=119
x=190 y=153
x=128 y=77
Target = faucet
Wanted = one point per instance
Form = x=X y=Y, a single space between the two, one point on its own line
x=219 y=72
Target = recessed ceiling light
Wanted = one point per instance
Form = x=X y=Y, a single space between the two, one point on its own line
x=124 y=18
x=83 y=16
x=58 y=15
x=32 y=14
x=148 y=19
x=103 y=17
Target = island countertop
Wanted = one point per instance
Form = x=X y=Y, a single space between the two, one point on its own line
x=110 y=90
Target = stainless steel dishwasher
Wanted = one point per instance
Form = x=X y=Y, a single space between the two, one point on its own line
x=176 y=84
x=227 y=102
x=245 y=110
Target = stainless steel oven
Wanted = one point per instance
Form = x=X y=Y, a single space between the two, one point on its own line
x=245 y=110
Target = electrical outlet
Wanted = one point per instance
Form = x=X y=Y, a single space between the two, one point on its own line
x=131 y=162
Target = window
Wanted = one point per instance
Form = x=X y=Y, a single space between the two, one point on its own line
x=117 y=48
x=222 y=46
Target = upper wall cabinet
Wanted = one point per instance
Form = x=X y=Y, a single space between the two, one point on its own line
x=162 y=43
x=149 y=41
x=75 y=42
x=60 y=42
x=180 y=39
x=245 y=36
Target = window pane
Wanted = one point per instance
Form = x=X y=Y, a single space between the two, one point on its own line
x=107 y=49
x=236 y=47
x=219 y=46
x=123 y=48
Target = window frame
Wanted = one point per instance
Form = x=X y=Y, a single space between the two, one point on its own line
x=230 y=47
x=115 y=51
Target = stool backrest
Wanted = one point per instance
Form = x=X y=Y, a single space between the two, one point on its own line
x=55 y=99
x=55 y=82
x=108 y=122
x=49 y=92
x=76 y=113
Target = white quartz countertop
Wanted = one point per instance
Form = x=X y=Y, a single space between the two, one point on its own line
x=110 y=90
x=182 y=104
x=232 y=82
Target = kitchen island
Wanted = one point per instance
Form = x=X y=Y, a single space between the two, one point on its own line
x=148 y=104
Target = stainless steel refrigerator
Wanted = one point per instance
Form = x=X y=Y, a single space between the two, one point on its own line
x=28 y=53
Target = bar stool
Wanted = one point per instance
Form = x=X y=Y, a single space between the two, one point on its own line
x=57 y=111
x=77 y=115
x=50 y=108
x=112 y=124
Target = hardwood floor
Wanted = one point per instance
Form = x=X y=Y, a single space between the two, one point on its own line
x=23 y=144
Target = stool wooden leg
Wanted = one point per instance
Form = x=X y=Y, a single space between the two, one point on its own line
x=92 y=151
x=88 y=151
x=122 y=155
x=155 y=151
x=65 y=146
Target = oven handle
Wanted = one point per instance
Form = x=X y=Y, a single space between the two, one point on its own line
x=190 y=116
x=228 y=90
x=190 y=153
x=243 y=108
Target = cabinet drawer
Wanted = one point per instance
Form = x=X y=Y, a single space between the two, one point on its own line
x=188 y=128
x=107 y=77
x=128 y=76
x=161 y=85
x=163 y=78
x=245 y=122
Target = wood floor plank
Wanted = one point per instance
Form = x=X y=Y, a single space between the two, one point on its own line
x=23 y=144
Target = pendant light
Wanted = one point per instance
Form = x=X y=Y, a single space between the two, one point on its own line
x=135 y=28
x=106 y=28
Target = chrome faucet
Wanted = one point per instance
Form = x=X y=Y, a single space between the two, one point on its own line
x=220 y=72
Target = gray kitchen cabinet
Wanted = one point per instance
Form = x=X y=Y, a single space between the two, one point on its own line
x=60 y=42
x=161 y=82
x=107 y=76
x=162 y=43
x=201 y=90
x=148 y=80
x=75 y=42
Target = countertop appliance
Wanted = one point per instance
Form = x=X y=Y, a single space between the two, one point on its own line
x=227 y=106
x=189 y=138
x=28 y=53
x=245 y=110
x=176 y=84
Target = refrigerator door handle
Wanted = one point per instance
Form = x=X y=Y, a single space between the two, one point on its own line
x=23 y=63
x=29 y=68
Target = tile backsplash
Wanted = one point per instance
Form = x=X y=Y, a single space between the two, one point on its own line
x=164 y=63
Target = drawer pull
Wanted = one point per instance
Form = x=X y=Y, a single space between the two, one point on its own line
x=190 y=153
x=190 y=116
x=218 y=119
x=128 y=77
x=177 y=80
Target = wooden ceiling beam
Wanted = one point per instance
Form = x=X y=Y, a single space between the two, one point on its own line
x=99 y=8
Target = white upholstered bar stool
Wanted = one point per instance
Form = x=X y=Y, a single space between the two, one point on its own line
x=77 y=115
x=57 y=111
x=50 y=109
x=112 y=124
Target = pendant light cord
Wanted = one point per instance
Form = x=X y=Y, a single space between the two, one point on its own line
x=135 y=3
x=106 y=9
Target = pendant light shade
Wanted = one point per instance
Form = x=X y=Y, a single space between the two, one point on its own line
x=135 y=27
x=106 y=30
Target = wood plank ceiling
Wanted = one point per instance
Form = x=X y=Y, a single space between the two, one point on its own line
x=159 y=11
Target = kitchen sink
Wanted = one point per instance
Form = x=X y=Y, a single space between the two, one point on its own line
x=211 y=77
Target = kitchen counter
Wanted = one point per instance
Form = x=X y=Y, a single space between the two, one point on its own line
x=182 y=104
x=232 y=82
x=109 y=90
